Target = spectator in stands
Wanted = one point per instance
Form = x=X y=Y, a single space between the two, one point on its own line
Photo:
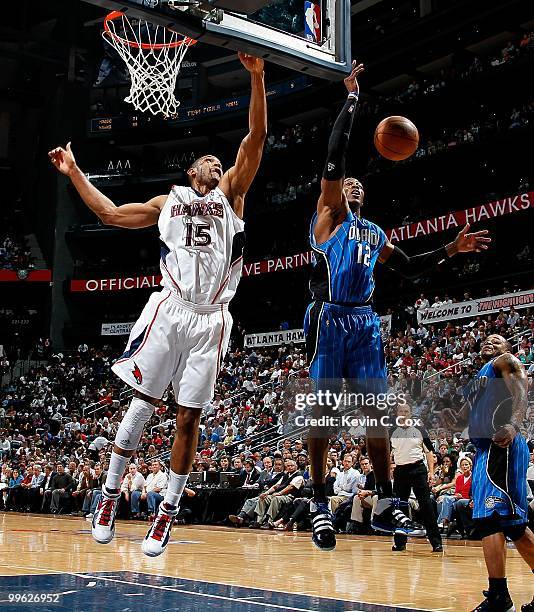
x=461 y=496
x=133 y=481
x=365 y=498
x=5 y=477
x=85 y=484
x=49 y=474
x=444 y=479
x=252 y=475
x=346 y=484
x=276 y=482
x=5 y=447
x=93 y=495
x=421 y=303
x=153 y=490
x=32 y=499
x=224 y=464
x=13 y=488
x=61 y=488
x=267 y=473
x=270 y=504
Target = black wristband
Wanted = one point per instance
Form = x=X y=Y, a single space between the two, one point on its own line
x=416 y=265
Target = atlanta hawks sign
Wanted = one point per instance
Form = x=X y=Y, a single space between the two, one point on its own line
x=457 y=219
x=286 y=336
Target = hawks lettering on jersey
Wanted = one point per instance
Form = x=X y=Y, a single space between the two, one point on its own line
x=202 y=242
x=198 y=208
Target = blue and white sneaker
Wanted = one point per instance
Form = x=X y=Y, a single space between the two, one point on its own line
x=323 y=534
x=158 y=535
x=389 y=518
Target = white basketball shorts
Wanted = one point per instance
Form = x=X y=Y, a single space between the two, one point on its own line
x=179 y=342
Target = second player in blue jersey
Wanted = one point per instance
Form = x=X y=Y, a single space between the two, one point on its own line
x=342 y=329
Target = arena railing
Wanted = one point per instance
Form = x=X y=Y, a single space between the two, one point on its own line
x=124 y=394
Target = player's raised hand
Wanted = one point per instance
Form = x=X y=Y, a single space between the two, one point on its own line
x=476 y=241
x=253 y=64
x=351 y=82
x=63 y=159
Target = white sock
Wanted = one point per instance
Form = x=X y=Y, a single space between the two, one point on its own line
x=117 y=465
x=175 y=488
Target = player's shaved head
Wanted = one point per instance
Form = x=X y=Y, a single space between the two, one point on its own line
x=206 y=171
x=200 y=160
x=494 y=345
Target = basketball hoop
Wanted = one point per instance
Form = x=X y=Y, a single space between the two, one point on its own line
x=153 y=55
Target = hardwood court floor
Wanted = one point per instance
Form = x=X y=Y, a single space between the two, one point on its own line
x=47 y=553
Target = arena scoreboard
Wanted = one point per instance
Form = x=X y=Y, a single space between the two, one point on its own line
x=190 y=114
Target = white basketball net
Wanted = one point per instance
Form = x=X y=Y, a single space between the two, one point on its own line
x=153 y=55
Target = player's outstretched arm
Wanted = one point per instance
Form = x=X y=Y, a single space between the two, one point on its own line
x=417 y=265
x=132 y=216
x=515 y=378
x=332 y=205
x=237 y=180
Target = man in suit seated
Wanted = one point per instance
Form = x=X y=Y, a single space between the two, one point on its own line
x=272 y=501
x=365 y=500
x=267 y=473
x=50 y=474
x=251 y=476
x=247 y=511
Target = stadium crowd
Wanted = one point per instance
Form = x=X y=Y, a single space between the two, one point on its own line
x=487 y=124
x=57 y=424
x=15 y=253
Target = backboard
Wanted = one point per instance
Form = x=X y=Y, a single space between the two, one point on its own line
x=309 y=36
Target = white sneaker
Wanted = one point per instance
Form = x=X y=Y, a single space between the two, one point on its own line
x=103 y=522
x=89 y=518
x=158 y=535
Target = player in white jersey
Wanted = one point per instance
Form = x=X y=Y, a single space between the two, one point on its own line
x=184 y=330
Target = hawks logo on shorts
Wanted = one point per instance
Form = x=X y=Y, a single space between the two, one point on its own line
x=137 y=374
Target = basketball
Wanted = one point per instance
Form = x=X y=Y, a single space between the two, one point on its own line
x=396 y=138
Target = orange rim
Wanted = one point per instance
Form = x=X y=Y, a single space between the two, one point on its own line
x=115 y=14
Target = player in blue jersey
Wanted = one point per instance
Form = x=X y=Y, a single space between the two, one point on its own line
x=342 y=330
x=497 y=398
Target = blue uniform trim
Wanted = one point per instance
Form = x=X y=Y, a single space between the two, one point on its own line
x=314 y=315
x=135 y=344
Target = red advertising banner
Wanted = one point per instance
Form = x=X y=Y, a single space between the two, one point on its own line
x=458 y=219
x=265 y=266
x=290 y=262
x=116 y=284
x=27 y=276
